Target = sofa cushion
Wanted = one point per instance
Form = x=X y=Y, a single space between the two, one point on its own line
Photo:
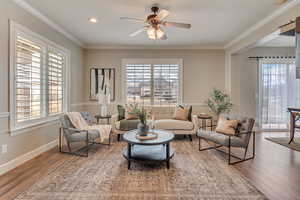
x=173 y=124
x=127 y=125
x=180 y=113
x=129 y=114
x=121 y=112
x=222 y=139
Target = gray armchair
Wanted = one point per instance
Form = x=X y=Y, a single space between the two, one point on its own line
x=72 y=135
x=241 y=140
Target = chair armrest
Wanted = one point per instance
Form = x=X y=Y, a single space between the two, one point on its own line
x=75 y=130
x=195 y=122
x=114 y=119
x=245 y=132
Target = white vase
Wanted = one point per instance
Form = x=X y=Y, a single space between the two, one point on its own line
x=103 y=110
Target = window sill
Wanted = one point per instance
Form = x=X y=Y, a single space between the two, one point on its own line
x=32 y=126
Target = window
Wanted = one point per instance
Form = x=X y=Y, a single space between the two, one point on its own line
x=38 y=78
x=56 y=63
x=152 y=81
x=278 y=90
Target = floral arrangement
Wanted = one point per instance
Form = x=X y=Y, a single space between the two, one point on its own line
x=141 y=113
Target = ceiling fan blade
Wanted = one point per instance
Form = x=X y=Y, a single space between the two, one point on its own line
x=162 y=15
x=132 y=19
x=175 y=24
x=164 y=37
x=138 y=32
x=279 y=2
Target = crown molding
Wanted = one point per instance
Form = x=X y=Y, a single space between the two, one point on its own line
x=91 y=47
x=23 y=4
x=263 y=22
x=267 y=39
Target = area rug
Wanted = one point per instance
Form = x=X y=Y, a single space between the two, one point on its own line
x=104 y=175
x=284 y=141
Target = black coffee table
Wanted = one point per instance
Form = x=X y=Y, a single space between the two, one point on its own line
x=148 y=150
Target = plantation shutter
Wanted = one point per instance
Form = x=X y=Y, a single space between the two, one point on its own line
x=138 y=83
x=56 y=63
x=28 y=73
x=166 y=84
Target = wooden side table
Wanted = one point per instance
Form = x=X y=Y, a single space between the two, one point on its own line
x=98 y=117
x=203 y=119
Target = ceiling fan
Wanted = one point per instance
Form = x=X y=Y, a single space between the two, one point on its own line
x=154 y=24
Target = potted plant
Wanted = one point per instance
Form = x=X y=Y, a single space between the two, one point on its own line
x=219 y=102
x=141 y=113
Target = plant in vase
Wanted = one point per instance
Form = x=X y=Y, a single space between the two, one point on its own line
x=219 y=102
x=141 y=113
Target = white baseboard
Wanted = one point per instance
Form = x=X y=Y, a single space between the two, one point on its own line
x=25 y=157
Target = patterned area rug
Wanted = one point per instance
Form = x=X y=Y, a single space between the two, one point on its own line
x=284 y=141
x=104 y=175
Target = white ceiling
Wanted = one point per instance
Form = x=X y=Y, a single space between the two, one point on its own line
x=214 y=22
x=280 y=41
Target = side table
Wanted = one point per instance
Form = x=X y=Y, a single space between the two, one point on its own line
x=98 y=117
x=205 y=117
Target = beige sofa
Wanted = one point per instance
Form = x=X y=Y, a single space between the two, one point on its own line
x=162 y=119
x=178 y=127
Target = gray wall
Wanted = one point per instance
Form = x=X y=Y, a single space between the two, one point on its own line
x=245 y=76
x=203 y=69
x=28 y=141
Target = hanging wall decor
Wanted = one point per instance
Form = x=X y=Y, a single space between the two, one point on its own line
x=102 y=82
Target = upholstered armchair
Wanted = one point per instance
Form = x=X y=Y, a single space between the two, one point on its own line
x=240 y=140
x=72 y=135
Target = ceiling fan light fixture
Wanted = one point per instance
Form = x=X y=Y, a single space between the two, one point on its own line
x=93 y=20
x=151 y=32
x=160 y=33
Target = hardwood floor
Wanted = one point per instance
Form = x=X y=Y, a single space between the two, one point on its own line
x=274 y=171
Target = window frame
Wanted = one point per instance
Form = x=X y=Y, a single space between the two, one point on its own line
x=152 y=62
x=15 y=30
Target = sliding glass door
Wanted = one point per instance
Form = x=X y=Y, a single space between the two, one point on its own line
x=278 y=90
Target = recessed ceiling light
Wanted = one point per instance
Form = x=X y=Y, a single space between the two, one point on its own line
x=93 y=20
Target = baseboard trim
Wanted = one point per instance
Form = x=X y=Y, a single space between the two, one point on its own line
x=25 y=157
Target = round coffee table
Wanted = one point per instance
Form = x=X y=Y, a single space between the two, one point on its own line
x=149 y=150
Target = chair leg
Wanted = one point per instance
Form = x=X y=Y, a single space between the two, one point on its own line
x=229 y=150
x=245 y=154
x=59 y=139
x=87 y=144
x=208 y=148
x=191 y=138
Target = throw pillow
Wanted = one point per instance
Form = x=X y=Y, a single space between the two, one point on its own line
x=189 y=112
x=227 y=126
x=128 y=113
x=121 y=112
x=180 y=113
